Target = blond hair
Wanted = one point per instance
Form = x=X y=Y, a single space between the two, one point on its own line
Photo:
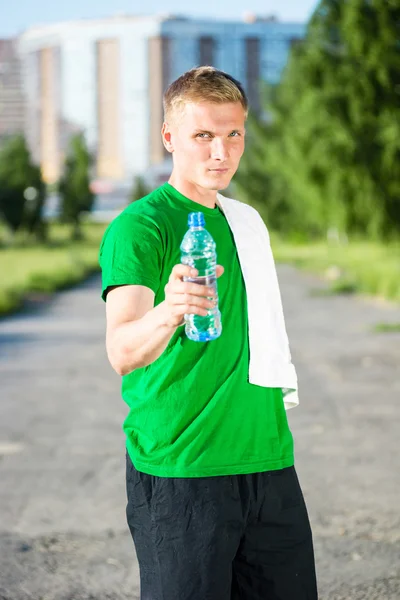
x=203 y=84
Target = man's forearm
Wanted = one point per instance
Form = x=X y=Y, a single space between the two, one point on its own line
x=138 y=343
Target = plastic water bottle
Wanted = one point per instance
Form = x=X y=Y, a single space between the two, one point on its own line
x=198 y=251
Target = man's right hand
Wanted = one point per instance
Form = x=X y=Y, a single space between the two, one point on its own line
x=137 y=331
x=184 y=297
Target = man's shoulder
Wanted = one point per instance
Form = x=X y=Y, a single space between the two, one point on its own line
x=138 y=219
x=141 y=214
x=147 y=206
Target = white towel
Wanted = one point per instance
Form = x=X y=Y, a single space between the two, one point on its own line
x=270 y=359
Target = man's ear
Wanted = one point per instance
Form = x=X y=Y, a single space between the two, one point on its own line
x=167 y=137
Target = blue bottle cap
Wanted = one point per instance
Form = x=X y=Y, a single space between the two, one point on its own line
x=196 y=219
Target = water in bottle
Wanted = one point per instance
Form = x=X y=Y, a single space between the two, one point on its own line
x=198 y=251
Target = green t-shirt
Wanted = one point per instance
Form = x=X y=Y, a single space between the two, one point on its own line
x=192 y=411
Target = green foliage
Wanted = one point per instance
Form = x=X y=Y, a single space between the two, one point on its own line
x=34 y=221
x=139 y=189
x=74 y=186
x=328 y=157
x=365 y=267
x=387 y=328
x=22 y=190
x=41 y=268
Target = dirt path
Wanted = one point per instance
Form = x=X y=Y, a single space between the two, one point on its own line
x=62 y=499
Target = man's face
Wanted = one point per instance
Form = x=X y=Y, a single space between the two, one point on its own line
x=207 y=142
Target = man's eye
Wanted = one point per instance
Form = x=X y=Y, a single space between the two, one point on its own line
x=203 y=135
x=234 y=134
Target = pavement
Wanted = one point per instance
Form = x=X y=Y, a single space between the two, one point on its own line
x=63 y=534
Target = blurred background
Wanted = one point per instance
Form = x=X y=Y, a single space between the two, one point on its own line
x=81 y=89
x=81 y=113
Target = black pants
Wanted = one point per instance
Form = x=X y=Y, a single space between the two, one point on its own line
x=234 y=537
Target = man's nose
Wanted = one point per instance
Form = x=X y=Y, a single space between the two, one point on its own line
x=219 y=150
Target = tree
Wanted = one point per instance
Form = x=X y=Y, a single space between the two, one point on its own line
x=74 y=186
x=22 y=190
x=329 y=157
x=372 y=33
x=258 y=182
x=35 y=196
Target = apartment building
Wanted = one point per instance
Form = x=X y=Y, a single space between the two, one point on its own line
x=106 y=77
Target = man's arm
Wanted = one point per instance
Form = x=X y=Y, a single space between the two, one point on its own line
x=137 y=331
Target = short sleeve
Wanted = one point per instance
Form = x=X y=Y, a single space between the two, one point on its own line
x=131 y=253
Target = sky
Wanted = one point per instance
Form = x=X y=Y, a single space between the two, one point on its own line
x=18 y=15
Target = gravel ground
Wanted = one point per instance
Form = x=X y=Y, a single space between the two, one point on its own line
x=63 y=534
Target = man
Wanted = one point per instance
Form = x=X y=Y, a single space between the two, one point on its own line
x=214 y=504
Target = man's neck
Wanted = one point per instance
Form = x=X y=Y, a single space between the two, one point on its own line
x=194 y=192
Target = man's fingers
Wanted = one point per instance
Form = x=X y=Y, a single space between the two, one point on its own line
x=186 y=287
x=188 y=299
x=180 y=271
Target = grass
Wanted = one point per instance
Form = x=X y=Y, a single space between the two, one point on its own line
x=387 y=328
x=357 y=267
x=28 y=267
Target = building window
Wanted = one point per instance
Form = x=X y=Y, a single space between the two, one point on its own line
x=206 y=50
x=253 y=72
x=11 y=91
